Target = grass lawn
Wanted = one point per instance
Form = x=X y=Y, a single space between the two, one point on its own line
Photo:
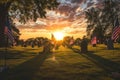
x=62 y=64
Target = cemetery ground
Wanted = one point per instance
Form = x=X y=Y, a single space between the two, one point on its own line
x=26 y=63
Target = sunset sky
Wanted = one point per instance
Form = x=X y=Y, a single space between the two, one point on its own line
x=69 y=19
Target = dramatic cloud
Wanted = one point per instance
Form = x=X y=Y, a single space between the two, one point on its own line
x=77 y=1
x=69 y=18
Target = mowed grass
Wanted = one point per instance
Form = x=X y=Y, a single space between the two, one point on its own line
x=62 y=64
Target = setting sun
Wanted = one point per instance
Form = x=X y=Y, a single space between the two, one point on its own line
x=58 y=35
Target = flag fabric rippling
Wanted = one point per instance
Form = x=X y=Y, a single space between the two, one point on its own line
x=116 y=31
x=8 y=32
x=94 y=40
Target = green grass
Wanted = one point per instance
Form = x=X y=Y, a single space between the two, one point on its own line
x=62 y=64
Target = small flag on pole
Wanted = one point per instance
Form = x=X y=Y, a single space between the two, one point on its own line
x=94 y=40
x=116 y=31
x=71 y=41
x=9 y=34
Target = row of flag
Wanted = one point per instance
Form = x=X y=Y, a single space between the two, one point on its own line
x=115 y=33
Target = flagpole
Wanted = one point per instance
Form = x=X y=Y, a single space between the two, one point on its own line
x=6 y=44
x=6 y=51
x=96 y=49
x=5 y=67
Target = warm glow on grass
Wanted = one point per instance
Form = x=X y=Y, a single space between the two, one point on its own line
x=58 y=35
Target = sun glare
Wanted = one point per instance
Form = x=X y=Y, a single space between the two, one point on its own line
x=58 y=35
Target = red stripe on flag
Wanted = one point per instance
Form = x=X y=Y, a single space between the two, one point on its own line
x=116 y=33
x=9 y=34
x=116 y=30
x=94 y=40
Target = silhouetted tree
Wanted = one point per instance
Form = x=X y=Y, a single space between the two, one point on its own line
x=77 y=41
x=16 y=33
x=66 y=41
x=23 y=10
x=100 y=20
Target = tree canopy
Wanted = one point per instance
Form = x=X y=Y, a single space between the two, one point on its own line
x=24 y=10
x=101 y=20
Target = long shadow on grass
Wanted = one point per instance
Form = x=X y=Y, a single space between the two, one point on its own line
x=104 y=63
x=107 y=65
x=26 y=70
x=14 y=54
x=76 y=50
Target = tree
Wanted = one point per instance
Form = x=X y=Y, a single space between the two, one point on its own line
x=100 y=20
x=23 y=10
x=109 y=12
x=94 y=27
x=16 y=33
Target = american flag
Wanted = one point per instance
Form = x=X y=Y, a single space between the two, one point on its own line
x=71 y=41
x=116 y=31
x=94 y=40
x=8 y=32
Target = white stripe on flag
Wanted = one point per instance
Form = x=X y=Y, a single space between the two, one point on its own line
x=116 y=30
x=9 y=34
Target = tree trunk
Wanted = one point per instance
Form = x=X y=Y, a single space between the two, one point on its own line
x=3 y=14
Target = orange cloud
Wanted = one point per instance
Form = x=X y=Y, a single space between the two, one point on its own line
x=69 y=18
